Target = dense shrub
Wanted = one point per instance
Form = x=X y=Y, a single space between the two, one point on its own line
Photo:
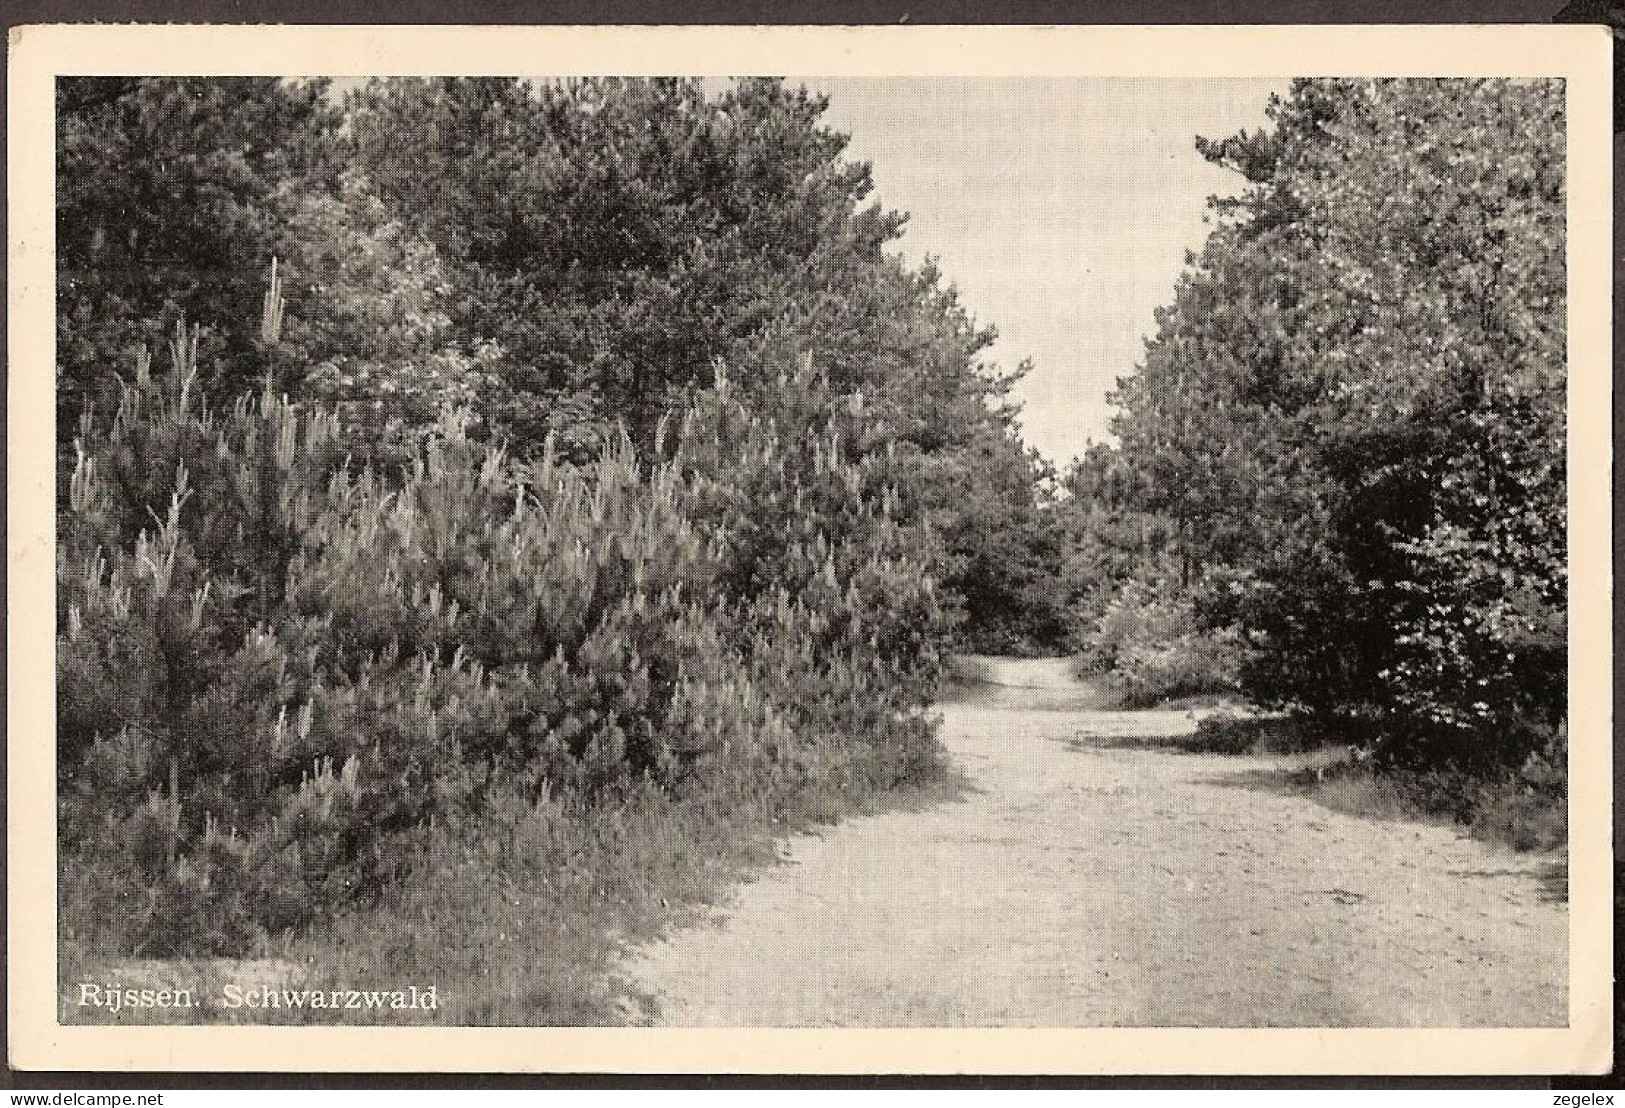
x=277 y=670
x=838 y=613
x=1153 y=649
x=185 y=748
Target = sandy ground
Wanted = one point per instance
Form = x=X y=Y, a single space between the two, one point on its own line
x=1077 y=883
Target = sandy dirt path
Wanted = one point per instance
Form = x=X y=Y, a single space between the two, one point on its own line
x=1081 y=884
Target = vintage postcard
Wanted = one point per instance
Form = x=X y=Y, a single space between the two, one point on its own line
x=912 y=549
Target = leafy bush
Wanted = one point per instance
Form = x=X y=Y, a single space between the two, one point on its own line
x=1153 y=650
x=367 y=317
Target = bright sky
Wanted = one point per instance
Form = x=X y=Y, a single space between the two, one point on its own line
x=1061 y=208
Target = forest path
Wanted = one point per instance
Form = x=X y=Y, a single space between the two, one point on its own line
x=1093 y=875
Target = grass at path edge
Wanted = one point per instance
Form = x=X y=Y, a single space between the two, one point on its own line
x=519 y=919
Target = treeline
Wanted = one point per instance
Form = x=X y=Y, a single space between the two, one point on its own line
x=572 y=454
x=568 y=261
x=1338 y=484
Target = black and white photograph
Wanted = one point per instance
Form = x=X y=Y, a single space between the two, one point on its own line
x=874 y=550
